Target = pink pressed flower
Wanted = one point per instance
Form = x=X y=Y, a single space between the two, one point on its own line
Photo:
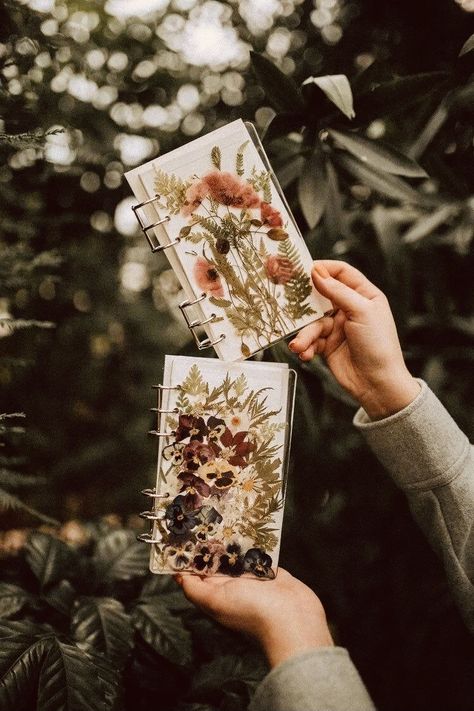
x=226 y=189
x=195 y=194
x=207 y=277
x=279 y=269
x=270 y=216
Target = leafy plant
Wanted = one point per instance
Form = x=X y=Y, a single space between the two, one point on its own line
x=89 y=628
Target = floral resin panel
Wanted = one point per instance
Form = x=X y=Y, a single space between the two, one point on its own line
x=224 y=431
x=236 y=249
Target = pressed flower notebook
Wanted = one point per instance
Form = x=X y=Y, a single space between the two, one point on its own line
x=216 y=207
x=223 y=431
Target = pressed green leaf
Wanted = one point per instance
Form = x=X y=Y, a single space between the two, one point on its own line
x=313 y=189
x=50 y=560
x=163 y=631
x=100 y=624
x=337 y=89
x=12 y=599
x=388 y=185
x=119 y=556
x=429 y=223
x=281 y=91
x=216 y=157
x=378 y=155
x=217 y=301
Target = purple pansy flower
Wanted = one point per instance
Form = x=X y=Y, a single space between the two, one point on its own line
x=259 y=563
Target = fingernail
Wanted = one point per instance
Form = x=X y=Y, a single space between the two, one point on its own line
x=292 y=346
x=321 y=271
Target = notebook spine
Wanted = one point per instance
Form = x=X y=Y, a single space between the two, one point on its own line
x=155 y=514
x=155 y=246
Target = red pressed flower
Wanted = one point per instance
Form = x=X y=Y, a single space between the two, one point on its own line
x=226 y=189
x=190 y=426
x=194 y=489
x=241 y=447
x=195 y=194
x=270 y=216
x=207 y=277
x=196 y=453
x=279 y=269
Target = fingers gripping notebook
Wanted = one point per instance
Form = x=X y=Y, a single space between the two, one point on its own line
x=223 y=433
x=217 y=209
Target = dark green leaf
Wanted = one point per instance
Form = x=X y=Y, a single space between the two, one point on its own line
x=290 y=170
x=468 y=46
x=378 y=155
x=281 y=91
x=163 y=631
x=337 y=89
x=119 y=556
x=226 y=669
x=60 y=597
x=60 y=677
x=12 y=599
x=313 y=189
x=50 y=560
x=427 y=224
x=333 y=217
x=396 y=95
x=388 y=185
x=281 y=124
x=99 y=624
x=10 y=502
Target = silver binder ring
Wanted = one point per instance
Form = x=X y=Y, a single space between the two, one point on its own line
x=152 y=515
x=162 y=411
x=153 y=494
x=148 y=538
x=206 y=343
x=155 y=246
x=155 y=433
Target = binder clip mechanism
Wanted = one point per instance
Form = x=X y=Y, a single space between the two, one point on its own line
x=155 y=246
x=193 y=324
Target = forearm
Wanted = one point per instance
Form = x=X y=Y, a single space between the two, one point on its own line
x=430 y=458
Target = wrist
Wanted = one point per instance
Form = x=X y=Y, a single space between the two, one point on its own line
x=390 y=395
x=283 y=642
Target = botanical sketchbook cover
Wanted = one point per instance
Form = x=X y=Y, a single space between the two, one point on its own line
x=239 y=247
x=221 y=466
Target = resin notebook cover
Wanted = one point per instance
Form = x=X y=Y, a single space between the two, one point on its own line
x=215 y=207
x=223 y=431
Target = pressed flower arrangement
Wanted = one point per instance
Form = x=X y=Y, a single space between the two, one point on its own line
x=221 y=472
x=244 y=259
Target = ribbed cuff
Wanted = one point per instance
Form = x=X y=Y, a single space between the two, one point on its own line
x=322 y=679
x=421 y=446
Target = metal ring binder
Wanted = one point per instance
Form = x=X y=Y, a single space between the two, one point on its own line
x=155 y=433
x=148 y=538
x=151 y=515
x=154 y=246
x=152 y=494
x=174 y=410
x=206 y=343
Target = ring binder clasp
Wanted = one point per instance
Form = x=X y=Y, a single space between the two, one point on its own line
x=206 y=343
x=152 y=493
x=148 y=538
x=155 y=246
x=152 y=515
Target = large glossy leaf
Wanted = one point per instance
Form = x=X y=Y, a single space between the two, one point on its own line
x=281 y=91
x=396 y=95
x=427 y=224
x=53 y=675
x=281 y=124
x=378 y=155
x=119 y=556
x=313 y=188
x=50 y=559
x=12 y=599
x=337 y=89
x=10 y=502
x=163 y=631
x=99 y=624
x=288 y=172
x=388 y=185
x=226 y=670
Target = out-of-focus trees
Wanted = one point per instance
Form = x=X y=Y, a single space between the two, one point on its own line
x=88 y=90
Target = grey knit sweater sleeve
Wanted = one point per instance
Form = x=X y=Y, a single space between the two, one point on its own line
x=430 y=458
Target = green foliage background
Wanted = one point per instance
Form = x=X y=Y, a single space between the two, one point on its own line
x=82 y=344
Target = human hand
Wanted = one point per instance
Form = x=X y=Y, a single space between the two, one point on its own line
x=283 y=614
x=360 y=343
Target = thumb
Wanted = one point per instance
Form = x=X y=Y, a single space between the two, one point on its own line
x=341 y=295
x=195 y=589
